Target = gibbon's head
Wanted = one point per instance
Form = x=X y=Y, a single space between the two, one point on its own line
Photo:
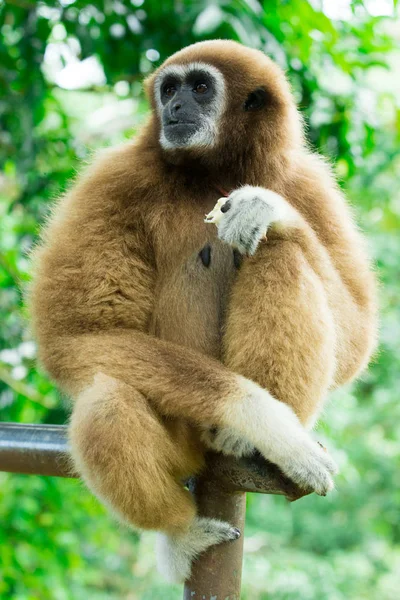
x=221 y=101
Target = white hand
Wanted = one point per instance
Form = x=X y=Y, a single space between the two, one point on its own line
x=274 y=429
x=227 y=441
x=243 y=218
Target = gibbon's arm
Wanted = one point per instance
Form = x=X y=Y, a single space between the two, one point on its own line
x=294 y=324
x=316 y=195
x=339 y=256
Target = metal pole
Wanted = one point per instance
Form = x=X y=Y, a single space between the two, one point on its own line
x=218 y=572
x=43 y=450
x=35 y=450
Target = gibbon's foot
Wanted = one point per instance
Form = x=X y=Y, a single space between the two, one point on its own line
x=227 y=441
x=243 y=218
x=175 y=553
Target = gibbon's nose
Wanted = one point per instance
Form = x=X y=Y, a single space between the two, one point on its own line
x=177 y=106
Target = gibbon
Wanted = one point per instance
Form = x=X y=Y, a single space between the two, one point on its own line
x=173 y=333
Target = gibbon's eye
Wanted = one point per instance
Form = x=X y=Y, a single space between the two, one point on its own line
x=200 y=87
x=169 y=90
x=256 y=100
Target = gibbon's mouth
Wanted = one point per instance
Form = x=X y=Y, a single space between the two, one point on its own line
x=173 y=123
x=178 y=132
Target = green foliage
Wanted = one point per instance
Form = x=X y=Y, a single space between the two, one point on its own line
x=70 y=74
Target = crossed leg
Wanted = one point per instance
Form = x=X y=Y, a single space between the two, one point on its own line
x=126 y=456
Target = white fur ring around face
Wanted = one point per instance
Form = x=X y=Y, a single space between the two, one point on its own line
x=243 y=218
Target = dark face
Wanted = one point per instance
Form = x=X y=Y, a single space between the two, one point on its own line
x=189 y=104
x=191 y=101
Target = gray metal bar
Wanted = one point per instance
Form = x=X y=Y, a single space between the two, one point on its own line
x=43 y=450
x=35 y=449
x=218 y=572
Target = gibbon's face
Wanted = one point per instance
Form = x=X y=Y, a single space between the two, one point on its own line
x=222 y=103
x=190 y=101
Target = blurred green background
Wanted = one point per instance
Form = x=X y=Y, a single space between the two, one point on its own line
x=70 y=81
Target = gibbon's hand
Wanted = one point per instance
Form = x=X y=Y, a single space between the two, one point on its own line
x=310 y=470
x=274 y=429
x=244 y=217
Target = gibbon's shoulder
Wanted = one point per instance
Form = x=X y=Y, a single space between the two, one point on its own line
x=120 y=173
x=114 y=187
x=310 y=166
x=109 y=193
x=312 y=175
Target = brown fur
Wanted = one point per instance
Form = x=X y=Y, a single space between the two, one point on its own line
x=147 y=340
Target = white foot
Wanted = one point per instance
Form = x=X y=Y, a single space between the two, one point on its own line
x=175 y=554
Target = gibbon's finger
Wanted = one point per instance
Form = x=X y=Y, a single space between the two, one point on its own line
x=215 y=215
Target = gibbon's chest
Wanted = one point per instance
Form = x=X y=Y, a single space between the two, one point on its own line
x=195 y=274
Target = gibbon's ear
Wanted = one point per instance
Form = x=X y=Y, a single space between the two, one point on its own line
x=256 y=100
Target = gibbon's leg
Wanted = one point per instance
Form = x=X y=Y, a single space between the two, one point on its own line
x=124 y=454
x=127 y=458
x=280 y=330
x=181 y=383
